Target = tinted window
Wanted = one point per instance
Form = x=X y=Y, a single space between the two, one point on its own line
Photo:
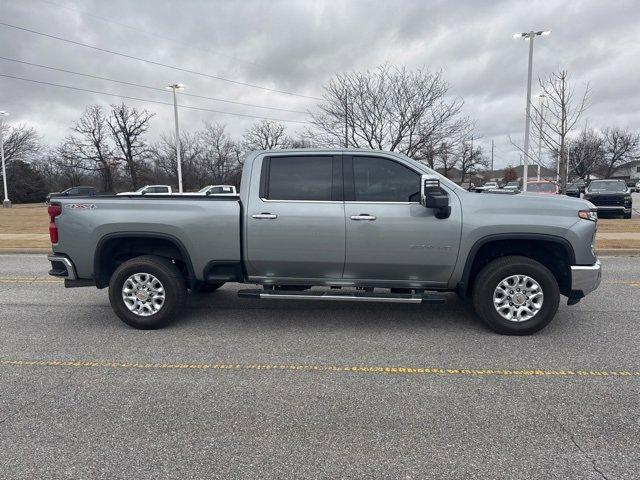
x=73 y=191
x=381 y=180
x=541 y=187
x=300 y=178
x=607 y=186
x=157 y=190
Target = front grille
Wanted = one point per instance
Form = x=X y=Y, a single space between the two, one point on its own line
x=608 y=201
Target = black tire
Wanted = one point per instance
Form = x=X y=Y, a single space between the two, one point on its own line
x=496 y=271
x=175 y=291
x=207 y=287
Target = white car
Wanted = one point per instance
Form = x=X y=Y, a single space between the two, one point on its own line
x=217 y=190
x=487 y=186
x=151 y=190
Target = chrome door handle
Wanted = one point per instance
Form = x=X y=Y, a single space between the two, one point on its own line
x=363 y=216
x=266 y=216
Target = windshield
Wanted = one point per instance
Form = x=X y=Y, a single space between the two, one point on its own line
x=204 y=190
x=140 y=189
x=607 y=186
x=541 y=187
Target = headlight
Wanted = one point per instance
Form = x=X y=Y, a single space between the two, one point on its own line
x=588 y=215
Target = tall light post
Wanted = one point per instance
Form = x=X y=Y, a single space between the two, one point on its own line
x=6 y=203
x=174 y=87
x=530 y=36
x=541 y=98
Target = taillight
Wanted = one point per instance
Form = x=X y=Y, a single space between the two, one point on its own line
x=54 y=211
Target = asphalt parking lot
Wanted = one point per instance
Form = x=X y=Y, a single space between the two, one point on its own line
x=271 y=389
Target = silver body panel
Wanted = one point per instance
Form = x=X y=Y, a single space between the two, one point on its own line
x=319 y=243
x=207 y=228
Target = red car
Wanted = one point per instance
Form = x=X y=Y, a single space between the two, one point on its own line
x=545 y=187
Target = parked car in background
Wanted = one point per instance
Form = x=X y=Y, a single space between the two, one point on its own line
x=574 y=190
x=542 y=186
x=578 y=186
x=487 y=186
x=218 y=190
x=72 y=192
x=151 y=190
x=515 y=186
x=610 y=196
x=631 y=185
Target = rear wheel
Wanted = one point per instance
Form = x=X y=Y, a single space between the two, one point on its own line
x=516 y=295
x=147 y=292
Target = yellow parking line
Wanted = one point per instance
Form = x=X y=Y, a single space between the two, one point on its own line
x=385 y=370
x=631 y=283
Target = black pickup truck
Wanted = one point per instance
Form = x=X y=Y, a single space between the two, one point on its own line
x=610 y=196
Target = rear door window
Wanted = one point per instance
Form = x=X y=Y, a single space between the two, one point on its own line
x=299 y=178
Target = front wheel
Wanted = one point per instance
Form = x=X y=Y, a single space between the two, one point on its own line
x=147 y=292
x=516 y=295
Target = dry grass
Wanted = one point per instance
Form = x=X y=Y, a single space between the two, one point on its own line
x=616 y=225
x=32 y=218
x=29 y=218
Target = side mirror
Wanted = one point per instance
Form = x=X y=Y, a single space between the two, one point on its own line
x=433 y=196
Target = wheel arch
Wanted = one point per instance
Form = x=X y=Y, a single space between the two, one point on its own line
x=557 y=251
x=114 y=248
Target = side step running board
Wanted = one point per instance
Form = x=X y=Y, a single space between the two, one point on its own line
x=341 y=297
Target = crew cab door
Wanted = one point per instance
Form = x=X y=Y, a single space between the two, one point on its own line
x=391 y=237
x=295 y=226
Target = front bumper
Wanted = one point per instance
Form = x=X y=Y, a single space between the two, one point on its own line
x=585 y=279
x=613 y=208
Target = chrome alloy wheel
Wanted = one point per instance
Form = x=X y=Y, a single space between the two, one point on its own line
x=143 y=294
x=518 y=298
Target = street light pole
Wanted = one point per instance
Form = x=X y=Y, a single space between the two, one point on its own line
x=528 y=35
x=541 y=97
x=6 y=203
x=174 y=87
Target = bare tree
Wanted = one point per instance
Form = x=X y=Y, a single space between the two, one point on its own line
x=586 y=153
x=387 y=109
x=20 y=142
x=620 y=146
x=471 y=159
x=510 y=174
x=561 y=114
x=446 y=158
x=163 y=156
x=222 y=155
x=128 y=126
x=265 y=135
x=88 y=147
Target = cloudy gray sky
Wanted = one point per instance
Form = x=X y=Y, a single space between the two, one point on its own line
x=297 y=46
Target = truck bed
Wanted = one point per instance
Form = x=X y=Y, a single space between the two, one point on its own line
x=208 y=228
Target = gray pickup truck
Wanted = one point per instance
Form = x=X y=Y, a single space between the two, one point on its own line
x=354 y=225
